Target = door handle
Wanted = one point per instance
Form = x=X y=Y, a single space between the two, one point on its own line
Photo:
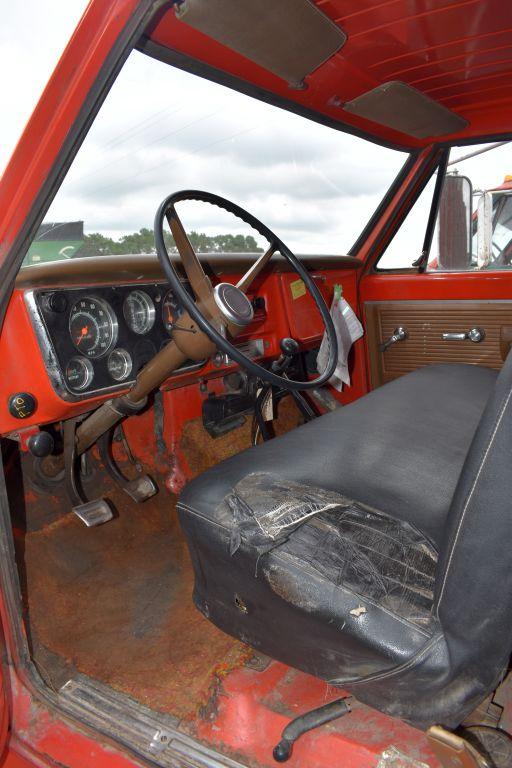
x=399 y=334
x=475 y=335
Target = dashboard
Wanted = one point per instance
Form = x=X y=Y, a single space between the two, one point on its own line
x=98 y=338
x=77 y=332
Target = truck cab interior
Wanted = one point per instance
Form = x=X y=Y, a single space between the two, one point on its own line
x=234 y=529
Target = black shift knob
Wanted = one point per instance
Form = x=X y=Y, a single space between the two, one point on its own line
x=40 y=445
x=289 y=346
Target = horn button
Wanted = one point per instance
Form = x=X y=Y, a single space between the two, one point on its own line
x=233 y=303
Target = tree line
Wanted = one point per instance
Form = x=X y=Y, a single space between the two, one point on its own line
x=143 y=241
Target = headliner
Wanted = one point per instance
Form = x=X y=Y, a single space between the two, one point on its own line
x=457 y=52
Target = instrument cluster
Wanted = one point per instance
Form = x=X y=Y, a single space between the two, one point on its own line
x=99 y=338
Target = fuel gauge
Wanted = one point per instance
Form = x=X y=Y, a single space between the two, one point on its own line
x=119 y=364
x=171 y=312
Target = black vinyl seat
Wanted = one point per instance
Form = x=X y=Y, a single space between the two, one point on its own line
x=400 y=449
x=382 y=591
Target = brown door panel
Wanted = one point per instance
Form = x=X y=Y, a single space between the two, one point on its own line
x=426 y=322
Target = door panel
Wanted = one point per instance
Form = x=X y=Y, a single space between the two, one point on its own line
x=429 y=305
x=425 y=323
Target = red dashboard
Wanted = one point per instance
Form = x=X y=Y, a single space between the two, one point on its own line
x=39 y=347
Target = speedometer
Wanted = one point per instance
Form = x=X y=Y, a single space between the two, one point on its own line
x=92 y=326
x=139 y=312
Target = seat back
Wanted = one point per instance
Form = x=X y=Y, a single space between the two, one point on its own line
x=474 y=577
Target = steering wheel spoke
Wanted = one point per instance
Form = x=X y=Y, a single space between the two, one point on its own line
x=200 y=282
x=256 y=268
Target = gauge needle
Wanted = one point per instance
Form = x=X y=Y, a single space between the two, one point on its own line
x=83 y=333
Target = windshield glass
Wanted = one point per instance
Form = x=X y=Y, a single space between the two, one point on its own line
x=161 y=130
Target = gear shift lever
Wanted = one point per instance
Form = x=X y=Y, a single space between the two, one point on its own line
x=289 y=347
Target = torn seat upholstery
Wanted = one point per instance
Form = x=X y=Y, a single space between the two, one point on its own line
x=367 y=546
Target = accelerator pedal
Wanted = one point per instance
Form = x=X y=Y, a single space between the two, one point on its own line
x=140 y=489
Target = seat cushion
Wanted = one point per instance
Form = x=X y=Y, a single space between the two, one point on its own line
x=312 y=578
x=399 y=450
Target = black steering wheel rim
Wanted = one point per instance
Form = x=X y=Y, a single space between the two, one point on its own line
x=189 y=304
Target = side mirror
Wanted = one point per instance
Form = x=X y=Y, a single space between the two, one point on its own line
x=455 y=220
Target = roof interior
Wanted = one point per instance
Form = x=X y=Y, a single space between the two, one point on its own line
x=458 y=53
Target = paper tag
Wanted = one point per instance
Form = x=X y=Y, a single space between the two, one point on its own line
x=348 y=329
x=355 y=328
x=298 y=289
x=267 y=407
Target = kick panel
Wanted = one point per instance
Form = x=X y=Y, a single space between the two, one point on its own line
x=475 y=332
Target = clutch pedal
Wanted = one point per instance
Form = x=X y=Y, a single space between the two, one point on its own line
x=91 y=513
x=94 y=512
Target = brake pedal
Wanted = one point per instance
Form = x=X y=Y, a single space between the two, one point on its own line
x=141 y=488
x=93 y=513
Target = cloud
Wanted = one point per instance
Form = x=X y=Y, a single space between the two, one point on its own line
x=162 y=130
x=32 y=38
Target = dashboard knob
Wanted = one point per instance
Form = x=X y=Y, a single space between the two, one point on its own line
x=22 y=405
x=57 y=302
x=40 y=445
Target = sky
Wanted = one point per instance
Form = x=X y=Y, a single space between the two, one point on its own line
x=161 y=130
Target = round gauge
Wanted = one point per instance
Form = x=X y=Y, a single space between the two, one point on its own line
x=171 y=312
x=139 y=312
x=92 y=326
x=119 y=364
x=79 y=372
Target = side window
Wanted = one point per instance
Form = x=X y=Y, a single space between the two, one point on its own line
x=501 y=248
x=406 y=245
x=473 y=229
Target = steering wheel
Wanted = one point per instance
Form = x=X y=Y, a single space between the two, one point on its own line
x=221 y=312
x=218 y=314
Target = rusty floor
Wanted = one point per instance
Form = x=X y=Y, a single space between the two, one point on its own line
x=115 y=602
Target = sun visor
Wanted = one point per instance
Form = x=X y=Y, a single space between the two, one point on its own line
x=405 y=109
x=290 y=38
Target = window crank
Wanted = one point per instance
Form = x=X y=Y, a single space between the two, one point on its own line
x=475 y=335
x=399 y=334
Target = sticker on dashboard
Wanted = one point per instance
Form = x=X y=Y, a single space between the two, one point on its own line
x=298 y=289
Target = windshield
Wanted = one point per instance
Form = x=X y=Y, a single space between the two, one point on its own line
x=161 y=130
